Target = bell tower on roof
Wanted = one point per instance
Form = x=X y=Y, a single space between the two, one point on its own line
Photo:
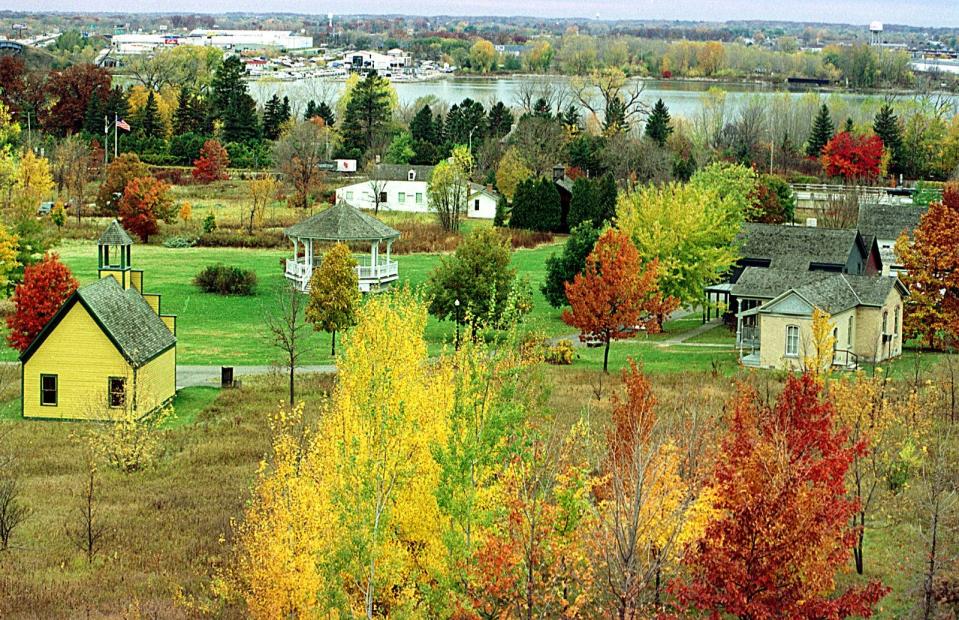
x=114 y=257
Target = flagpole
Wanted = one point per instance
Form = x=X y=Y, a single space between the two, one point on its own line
x=106 y=139
x=116 y=138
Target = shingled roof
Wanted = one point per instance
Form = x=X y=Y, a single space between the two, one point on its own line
x=762 y=283
x=123 y=315
x=115 y=235
x=837 y=292
x=342 y=222
x=884 y=221
x=795 y=247
x=401 y=172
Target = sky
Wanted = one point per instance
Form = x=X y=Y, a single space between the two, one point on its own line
x=911 y=12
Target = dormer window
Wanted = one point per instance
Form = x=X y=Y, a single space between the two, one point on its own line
x=412 y=175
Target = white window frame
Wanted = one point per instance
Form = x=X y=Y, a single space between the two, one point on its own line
x=849 y=333
x=895 y=323
x=401 y=197
x=419 y=198
x=792 y=329
x=349 y=195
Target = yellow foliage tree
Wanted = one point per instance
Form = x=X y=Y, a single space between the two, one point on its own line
x=167 y=100
x=261 y=190
x=482 y=56
x=33 y=181
x=186 y=212
x=510 y=172
x=8 y=256
x=334 y=292
x=375 y=450
x=819 y=349
x=282 y=534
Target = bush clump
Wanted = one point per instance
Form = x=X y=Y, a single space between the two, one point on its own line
x=225 y=280
x=178 y=241
x=559 y=354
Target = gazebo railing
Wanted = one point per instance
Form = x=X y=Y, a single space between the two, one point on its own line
x=382 y=269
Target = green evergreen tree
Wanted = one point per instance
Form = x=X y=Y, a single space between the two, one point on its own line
x=850 y=126
x=500 y=120
x=240 y=121
x=228 y=85
x=148 y=120
x=822 y=132
x=311 y=110
x=615 y=121
x=502 y=212
x=117 y=106
x=658 y=127
x=191 y=115
x=886 y=125
x=606 y=196
x=271 y=118
x=584 y=204
x=536 y=206
x=572 y=119
x=562 y=268
x=93 y=119
x=367 y=114
x=541 y=108
x=425 y=137
x=325 y=112
x=466 y=123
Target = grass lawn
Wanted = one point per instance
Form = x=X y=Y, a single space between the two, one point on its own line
x=215 y=330
x=717 y=335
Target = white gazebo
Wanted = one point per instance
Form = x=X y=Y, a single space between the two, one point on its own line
x=342 y=223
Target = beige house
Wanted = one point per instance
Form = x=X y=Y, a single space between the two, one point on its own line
x=865 y=313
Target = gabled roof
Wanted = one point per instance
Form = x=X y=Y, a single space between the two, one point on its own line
x=763 y=283
x=342 y=222
x=796 y=247
x=115 y=235
x=885 y=221
x=838 y=292
x=401 y=172
x=123 y=315
x=476 y=188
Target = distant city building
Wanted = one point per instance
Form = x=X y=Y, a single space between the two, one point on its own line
x=237 y=40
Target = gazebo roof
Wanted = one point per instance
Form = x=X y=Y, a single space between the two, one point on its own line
x=342 y=222
x=115 y=235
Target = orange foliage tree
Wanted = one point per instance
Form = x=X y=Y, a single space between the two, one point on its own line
x=932 y=272
x=145 y=201
x=615 y=294
x=45 y=287
x=783 y=530
x=212 y=164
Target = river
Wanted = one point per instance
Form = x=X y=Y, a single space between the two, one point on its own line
x=684 y=98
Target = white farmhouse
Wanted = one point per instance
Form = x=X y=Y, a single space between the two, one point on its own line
x=403 y=188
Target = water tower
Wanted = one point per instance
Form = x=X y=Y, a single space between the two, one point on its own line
x=875 y=33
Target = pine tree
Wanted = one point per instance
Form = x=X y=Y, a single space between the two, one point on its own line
x=271 y=117
x=149 y=124
x=572 y=119
x=228 y=85
x=500 y=120
x=367 y=113
x=285 y=111
x=311 y=110
x=822 y=132
x=325 y=112
x=584 y=203
x=116 y=106
x=615 y=121
x=240 y=122
x=425 y=137
x=658 y=126
x=886 y=126
x=182 y=117
x=536 y=206
x=541 y=108
x=606 y=196
x=850 y=126
x=93 y=119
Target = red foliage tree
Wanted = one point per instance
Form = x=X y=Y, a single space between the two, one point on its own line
x=853 y=157
x=145 y=201
x=932 y=272
x=12 y=84
x=783 y=529
x=212 y=164
x=46 y=285
x=70 y=91
x=615 y=294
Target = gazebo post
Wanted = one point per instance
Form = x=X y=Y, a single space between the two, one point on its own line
x=389 y=246
x=374 y=250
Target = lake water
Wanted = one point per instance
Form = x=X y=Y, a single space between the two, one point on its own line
x=684 y=98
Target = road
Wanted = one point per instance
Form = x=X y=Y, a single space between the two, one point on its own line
x=193 y=376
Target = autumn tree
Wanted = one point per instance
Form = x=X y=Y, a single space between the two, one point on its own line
x=932 y=273
x=74 y=157
x=32 y=182
x=9 y=257
x=374 y=447
x=70 y=91
x=853 y=157
x=334 y=293
x=782 y=530
x=690 y=228
x=145 y=202
x=648 y=510
x=212 y=164
x=286 y=325
x=45 y=287
x=510 y=172
x=261 y=191
x=297 y=155
x=119 y=172
x=615 y=294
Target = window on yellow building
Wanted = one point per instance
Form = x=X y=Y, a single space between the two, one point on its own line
x=792 y=340
x=118 y=392
x=48 y=390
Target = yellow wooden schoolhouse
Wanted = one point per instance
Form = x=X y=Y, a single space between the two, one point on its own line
x=109 y=350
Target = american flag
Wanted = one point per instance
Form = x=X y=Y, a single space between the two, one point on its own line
x=122 y=124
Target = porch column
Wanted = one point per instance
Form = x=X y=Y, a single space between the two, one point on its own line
x=739 y=326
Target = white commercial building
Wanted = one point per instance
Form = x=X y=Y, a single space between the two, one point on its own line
x=126 y=44
x=404 y=188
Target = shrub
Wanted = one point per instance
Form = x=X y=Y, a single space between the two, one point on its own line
x=226 y=280
x=559 y=354
x=178 y=241
x=209 y=223
x=224 y=238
